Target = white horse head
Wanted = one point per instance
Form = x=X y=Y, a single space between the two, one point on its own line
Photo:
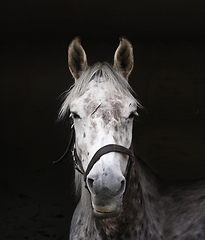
x=102 y=108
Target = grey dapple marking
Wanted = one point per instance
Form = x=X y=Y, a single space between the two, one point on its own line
x=102 y=108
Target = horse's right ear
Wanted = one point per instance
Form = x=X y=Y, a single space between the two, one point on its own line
x=124 y=59
x=77 y=60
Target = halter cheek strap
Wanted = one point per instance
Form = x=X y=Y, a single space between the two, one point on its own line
x=70 y=144
x=76 y=159
x=103 y=150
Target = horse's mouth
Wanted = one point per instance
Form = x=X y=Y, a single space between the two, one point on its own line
x=103 y=215
x=106 y=207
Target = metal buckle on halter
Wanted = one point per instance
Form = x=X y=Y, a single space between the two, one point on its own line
x=77 y=164
x=73 y=155
x=73 y=151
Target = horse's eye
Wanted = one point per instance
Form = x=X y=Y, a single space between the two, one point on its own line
x=75 y=115
x=133 y=114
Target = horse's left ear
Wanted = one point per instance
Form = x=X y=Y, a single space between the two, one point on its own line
x=77 y=60
x=123 y=58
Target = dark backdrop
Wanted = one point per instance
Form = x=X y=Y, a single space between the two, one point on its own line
x=37 y=198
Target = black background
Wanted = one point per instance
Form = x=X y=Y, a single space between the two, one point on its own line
x=169 y=79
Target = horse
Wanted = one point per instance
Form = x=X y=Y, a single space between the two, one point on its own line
x=120 y=196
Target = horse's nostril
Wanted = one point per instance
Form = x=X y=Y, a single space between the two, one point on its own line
x=90 y=183
x=122 y=188
x=122 y=183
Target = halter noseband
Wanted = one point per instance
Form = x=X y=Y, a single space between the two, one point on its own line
x=103 y=150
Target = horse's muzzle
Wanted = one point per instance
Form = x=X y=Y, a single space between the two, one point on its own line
x=107 y=203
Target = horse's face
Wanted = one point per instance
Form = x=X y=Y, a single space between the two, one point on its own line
x=102 y=116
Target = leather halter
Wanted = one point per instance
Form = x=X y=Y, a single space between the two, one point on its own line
x=103 y=150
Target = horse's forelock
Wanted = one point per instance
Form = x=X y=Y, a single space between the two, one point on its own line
x=99 y=72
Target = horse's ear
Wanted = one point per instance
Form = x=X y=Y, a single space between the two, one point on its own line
x=123 y=58
x=77 y=60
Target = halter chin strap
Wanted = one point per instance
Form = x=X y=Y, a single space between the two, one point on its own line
x=103 y=150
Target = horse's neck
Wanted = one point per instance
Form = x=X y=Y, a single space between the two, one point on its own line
x=143 y=215
x=153 y=212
